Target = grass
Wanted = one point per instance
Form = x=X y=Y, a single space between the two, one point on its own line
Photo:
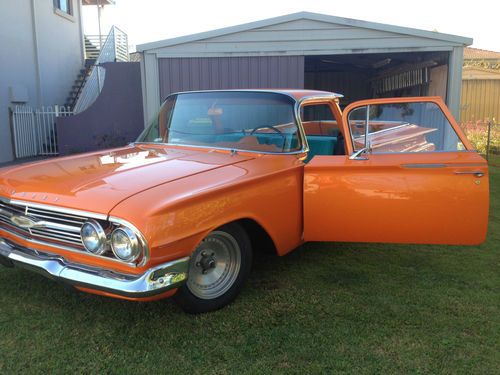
x=325 y=308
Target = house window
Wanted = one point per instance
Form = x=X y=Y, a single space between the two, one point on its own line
x=64 y=6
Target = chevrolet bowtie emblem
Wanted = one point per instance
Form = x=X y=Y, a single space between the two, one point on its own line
x=23 y=221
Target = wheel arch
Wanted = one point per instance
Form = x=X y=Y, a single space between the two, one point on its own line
x=260 y=238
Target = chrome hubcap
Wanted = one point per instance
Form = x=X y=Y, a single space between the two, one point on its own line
x=214 y=265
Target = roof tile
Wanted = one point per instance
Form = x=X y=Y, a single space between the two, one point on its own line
x=480 y=54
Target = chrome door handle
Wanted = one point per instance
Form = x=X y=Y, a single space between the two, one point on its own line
x=475 y=173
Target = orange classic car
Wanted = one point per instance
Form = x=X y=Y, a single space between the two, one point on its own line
x=219 y=175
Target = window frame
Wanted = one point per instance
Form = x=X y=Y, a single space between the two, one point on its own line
x=438 y=101
x=69 y=15
x=301 y=137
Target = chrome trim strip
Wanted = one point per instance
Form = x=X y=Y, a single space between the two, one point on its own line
x=437 y=165
x=422 y=152
x=57 y=226
x=62 y=210
x=217 y=148
x=153 y=281
x=451 y=165
x=284 y=92
x=57 y=237
x=41 y=223
x=298 y=105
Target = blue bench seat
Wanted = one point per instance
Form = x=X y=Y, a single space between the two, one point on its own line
x=320 y=145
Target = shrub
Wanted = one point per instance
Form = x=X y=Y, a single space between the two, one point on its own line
x=477 y=134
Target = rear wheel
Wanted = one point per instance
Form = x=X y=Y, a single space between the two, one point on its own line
x=218 y=268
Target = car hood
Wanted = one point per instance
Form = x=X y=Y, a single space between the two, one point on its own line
x=97 y=182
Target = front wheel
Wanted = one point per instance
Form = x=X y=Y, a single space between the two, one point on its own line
x=218 y=268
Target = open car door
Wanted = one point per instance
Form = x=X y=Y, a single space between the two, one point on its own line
x=410 y=176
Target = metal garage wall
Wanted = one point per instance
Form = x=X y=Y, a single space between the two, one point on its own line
x=212 y=73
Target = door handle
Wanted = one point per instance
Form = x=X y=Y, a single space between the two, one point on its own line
x=475 y=173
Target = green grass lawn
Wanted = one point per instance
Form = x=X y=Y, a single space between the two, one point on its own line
x=325 y=308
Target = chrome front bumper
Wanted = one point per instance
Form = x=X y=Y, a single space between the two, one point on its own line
x=154 y=281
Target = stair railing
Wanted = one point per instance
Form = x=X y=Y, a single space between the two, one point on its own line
x=114 y=48
x=93 y=44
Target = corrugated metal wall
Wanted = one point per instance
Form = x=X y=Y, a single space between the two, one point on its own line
x=480 y=100
x=213 y=73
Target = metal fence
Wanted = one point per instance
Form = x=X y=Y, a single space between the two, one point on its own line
x=484 y=136
x=114 y=48
x=34 y=130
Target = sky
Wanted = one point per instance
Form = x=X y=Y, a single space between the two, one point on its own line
x=151 y=20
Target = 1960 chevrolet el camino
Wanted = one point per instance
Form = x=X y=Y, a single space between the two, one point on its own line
x=180 y=211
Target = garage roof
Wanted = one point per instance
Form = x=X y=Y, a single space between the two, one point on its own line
x=304 y=33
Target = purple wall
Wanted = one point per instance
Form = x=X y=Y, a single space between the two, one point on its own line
x=114 y=119
x=212 y=73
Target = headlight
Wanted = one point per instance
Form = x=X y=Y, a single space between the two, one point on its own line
x=93 y=237
x=125 y=244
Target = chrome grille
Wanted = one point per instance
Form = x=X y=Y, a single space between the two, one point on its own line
x=53 y=225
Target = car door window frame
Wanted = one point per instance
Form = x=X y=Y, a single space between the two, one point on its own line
x=355 y=155
x=333 y=103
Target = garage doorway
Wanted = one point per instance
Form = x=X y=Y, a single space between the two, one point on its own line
x=366 y=76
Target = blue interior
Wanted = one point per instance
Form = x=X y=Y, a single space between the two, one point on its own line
x=318 y=144
x=263 y=138
x=321 y=145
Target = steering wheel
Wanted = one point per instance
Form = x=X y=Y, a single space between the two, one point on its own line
x=267 y=127
x=272 y=128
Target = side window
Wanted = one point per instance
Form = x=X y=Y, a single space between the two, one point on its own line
x=64 y=6
x=318 y=119
x=402 y=127
x=322 y=131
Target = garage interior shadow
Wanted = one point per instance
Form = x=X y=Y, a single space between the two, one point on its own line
x=376 y=75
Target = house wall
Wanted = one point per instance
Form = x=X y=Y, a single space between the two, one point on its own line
x=42 y=52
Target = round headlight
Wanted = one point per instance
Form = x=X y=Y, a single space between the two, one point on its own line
x=93 y=237
x=125 y=244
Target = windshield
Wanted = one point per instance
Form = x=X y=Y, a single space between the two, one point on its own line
x=253 y=121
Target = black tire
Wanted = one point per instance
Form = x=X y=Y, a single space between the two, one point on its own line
x=188 y=296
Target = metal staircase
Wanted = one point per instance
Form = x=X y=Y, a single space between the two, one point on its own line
x=89 y=82
x=77 y=86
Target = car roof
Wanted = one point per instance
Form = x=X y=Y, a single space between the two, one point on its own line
x=297 y=94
